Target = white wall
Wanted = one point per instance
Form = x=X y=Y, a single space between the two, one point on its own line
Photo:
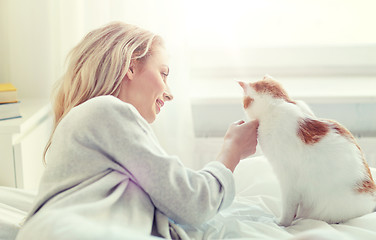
x=26 y=55
x=276 y=23
x=36 y=35
x=4 y=42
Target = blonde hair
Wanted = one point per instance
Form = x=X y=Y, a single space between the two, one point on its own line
x=98 y=64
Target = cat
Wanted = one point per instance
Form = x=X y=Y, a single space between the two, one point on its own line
x=321 y=169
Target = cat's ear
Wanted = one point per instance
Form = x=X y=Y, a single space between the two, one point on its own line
x=267 y=77
x=242 y=84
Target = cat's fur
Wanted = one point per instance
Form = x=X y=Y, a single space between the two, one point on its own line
x=321 y=169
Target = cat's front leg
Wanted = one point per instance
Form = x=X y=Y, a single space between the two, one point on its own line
x=288 y=216
x=290 y=204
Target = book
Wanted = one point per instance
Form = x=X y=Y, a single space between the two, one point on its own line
x=8 y=93
x=9 y=110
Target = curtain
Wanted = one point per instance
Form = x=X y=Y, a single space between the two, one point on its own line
x=37 y=35
x=72 y=19
x=221 y=38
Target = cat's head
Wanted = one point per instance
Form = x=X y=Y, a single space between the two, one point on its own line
x=260 y=96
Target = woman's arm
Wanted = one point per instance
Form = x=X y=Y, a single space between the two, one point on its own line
x=186 y=196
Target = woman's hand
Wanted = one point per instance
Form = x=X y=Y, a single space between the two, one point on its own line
x=239 y=142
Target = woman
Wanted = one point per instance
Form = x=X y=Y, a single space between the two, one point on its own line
x=107 y=176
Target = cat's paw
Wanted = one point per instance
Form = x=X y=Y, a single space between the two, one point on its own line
x=281 y=222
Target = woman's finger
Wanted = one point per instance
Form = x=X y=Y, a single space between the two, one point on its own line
x=239 y=122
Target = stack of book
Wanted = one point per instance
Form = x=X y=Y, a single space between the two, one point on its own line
x=9 y=104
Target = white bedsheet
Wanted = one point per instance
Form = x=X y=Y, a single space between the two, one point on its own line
x=258 y=203
x=14 y=205
x=251 y=216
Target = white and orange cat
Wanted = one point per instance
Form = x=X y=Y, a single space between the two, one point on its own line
x=321 y=169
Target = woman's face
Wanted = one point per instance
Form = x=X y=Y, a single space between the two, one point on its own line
x=145 y=86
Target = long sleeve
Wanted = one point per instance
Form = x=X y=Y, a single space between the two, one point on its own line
x=118 y=131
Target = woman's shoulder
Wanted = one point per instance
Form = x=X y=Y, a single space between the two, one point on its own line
x=105 y=102
x=102 y=110
x=107 y=106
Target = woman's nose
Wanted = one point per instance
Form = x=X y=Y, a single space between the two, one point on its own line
x=167 y=96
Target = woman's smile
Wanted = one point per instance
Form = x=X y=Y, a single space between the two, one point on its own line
x=159 y=104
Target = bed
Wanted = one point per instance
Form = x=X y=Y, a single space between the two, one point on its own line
x=251 y=216
x=14 y=205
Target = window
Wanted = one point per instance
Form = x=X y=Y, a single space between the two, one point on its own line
x=323 y=52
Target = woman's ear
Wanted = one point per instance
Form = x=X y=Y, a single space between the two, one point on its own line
x=130 y=74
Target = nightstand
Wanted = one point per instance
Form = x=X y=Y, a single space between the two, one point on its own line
x=22 y=142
